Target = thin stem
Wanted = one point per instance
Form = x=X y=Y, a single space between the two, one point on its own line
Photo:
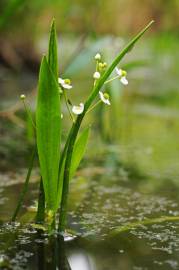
x=66 y=102
x=63 y=155
x=94 y=106
x=97 y=65
x=61 y=163
x=29 y=114
x=25 y=187
x=112 y=79
x=63 y=208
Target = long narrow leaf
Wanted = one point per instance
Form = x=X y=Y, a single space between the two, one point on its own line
x=52 y=50
x=48 y=125
x=79 y=150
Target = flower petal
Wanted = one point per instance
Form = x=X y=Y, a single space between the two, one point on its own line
x=67 y=86
x=108 y=102
x=124 y=80
x=118 y=71
x=78 y=109
x=96 y=75
x=98 y=56
x=61 y=81
x=104 y=100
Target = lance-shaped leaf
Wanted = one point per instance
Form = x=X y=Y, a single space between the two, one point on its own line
x=53 y=51
x=48 y=127
x=77 y=155
x=79 y=150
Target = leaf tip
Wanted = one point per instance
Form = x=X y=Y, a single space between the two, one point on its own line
x=53 y=24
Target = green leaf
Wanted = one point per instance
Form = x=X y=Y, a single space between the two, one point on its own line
x=79 y=150
x=48 y=128
x=53 y=51
x=77 y=155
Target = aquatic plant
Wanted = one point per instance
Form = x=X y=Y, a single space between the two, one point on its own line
x=57 y=164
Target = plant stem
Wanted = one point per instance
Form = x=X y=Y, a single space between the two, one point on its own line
x=76 y=126
x=72 y=139
x=94 y=106
x=25 y=186
x=112 y=79
x=29 y=114
x=66 y=102
x=40 y=217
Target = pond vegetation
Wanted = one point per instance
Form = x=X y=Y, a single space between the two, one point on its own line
x=122 y=208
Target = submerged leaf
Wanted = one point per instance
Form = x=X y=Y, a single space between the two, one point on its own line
x=48 y=126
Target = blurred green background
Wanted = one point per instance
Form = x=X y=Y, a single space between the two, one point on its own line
x=98 y=17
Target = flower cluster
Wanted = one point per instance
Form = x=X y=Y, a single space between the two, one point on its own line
x=65 y=84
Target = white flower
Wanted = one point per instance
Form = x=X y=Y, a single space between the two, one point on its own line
x=124 y=80
x=97 y=57
x=96 y=75
x=122 y=75
x=78 y=109
x=104 y=97
x=65 y=83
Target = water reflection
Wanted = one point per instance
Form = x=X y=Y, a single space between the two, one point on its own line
x=80 y=260
x=54 y=255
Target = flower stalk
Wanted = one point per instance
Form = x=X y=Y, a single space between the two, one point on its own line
x=76 y=126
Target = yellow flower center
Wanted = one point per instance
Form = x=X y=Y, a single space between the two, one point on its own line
x=124 y=73
x=106 y=96
x=67 y=81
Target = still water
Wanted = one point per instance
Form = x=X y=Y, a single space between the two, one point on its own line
x=124 y=213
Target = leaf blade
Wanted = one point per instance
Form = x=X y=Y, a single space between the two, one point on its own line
x=48 y=127
x=79 y=150
x=53 y=50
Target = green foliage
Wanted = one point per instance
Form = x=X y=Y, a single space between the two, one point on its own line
x=79 y=150
x=48 y=120
x=57 y=169
x=76 y=126
x=48 y=127
x=77 y=155
x=52 y=51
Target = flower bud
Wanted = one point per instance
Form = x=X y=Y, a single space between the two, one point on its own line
x=22 y=97
x=97 y=57
x=96 y=75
